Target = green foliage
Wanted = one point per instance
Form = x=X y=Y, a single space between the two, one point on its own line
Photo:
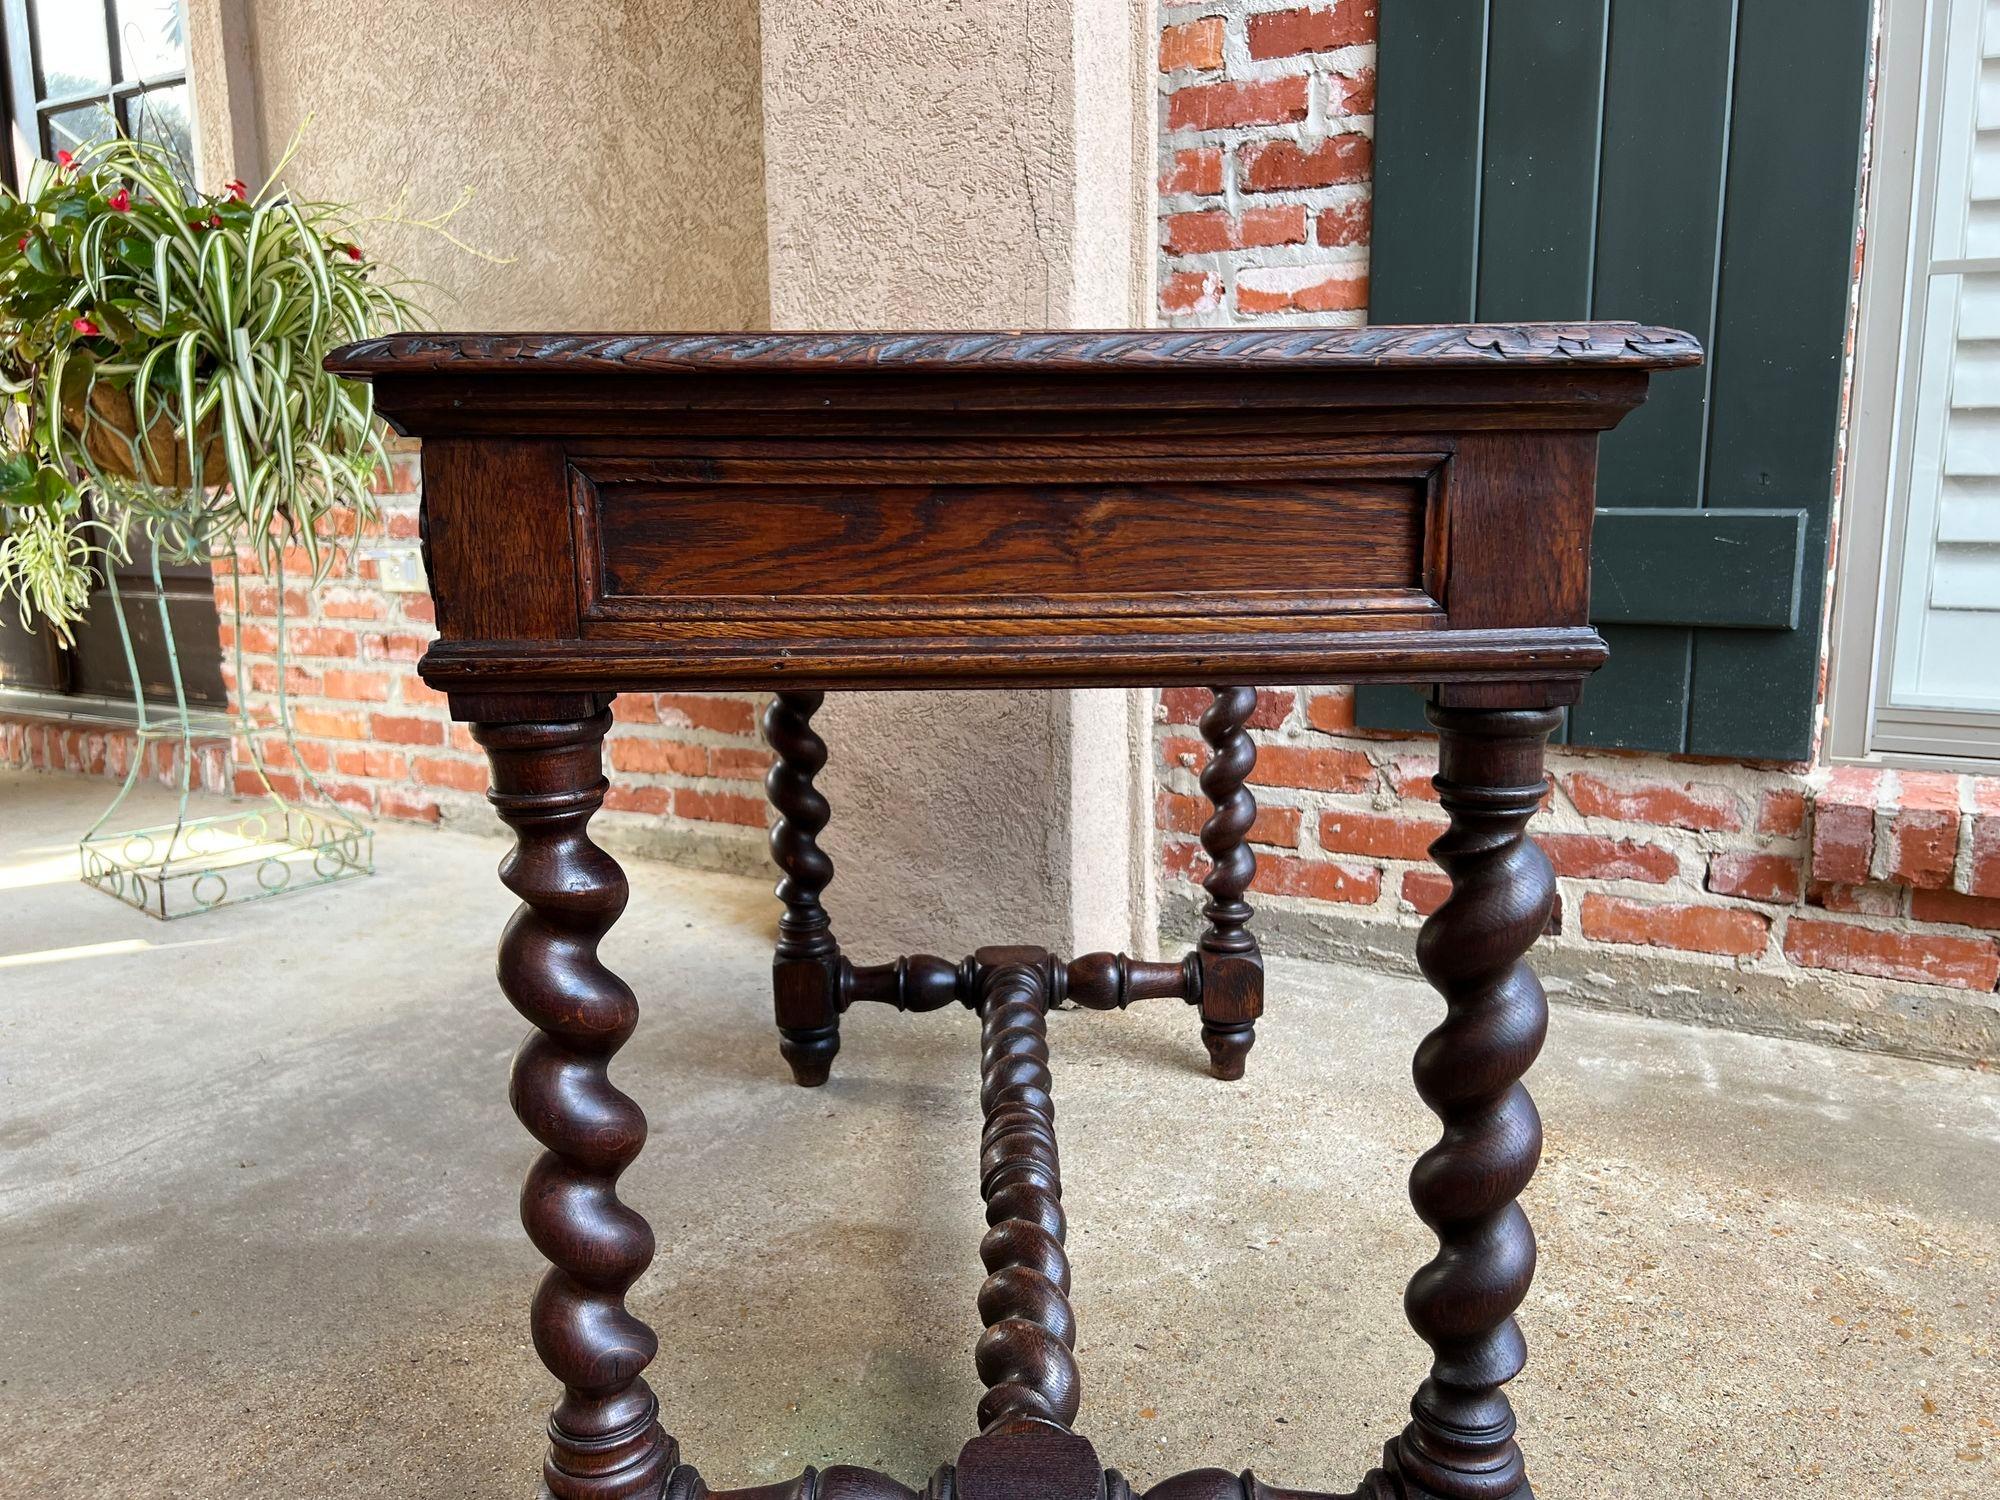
x=160 y=361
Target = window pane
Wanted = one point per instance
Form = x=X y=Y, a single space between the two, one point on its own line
x=72 y=128
x=151 y=38
x=70 y=44
x=161 y=116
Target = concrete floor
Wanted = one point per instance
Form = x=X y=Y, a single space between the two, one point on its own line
x=258 y=1237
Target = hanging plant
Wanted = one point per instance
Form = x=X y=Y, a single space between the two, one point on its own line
x=160 y=353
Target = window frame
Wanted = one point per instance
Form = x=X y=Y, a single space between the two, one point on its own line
x=1862 y=726
x=28 y=109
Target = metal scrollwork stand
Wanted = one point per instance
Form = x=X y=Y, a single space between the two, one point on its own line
x=196 y=864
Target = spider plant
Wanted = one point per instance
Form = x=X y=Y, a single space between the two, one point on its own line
x=160 y=353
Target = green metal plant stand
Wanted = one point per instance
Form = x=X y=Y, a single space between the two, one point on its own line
x=191 y=864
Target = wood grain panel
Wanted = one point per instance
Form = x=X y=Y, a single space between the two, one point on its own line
x=689 y=539
x=992 y=542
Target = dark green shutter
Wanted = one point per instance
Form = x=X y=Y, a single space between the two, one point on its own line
x=1692 y=163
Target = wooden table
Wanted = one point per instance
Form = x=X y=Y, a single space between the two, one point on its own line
x=799 y=513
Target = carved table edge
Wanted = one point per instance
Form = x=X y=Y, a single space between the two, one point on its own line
x=1320 y=350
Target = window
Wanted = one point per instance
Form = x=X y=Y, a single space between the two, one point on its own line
x=1917 y=648
x=78 y=69
x=75 y=71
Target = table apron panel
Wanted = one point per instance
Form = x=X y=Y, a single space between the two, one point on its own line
x=693 y=548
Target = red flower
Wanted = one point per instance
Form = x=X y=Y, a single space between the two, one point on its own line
x=22 y=244
x=215 y=221
x=65 y=160
x=119 y=202
x=85 y=327
x=236 y=189
x=353 y=251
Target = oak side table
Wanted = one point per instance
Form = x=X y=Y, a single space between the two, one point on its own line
x=804 y=513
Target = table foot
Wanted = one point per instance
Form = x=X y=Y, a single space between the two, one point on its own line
x=809 y=1053
x=1228 y=1048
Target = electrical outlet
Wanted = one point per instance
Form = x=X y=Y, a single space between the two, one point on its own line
x=401 y=569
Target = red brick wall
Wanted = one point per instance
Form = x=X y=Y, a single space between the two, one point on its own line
x=1878 y=874
x=99 y=750
x=1265 y=155
x=1266 y=145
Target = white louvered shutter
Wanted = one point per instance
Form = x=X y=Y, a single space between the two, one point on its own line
x=1946 y=615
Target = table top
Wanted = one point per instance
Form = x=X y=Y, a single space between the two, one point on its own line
x=1440 y=347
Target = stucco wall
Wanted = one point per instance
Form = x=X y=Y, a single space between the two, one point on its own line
x=614 y=149
x=964 y=166
x=923 y=162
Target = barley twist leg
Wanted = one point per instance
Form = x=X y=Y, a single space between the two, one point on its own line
x=1460 y=1444
x=606 y=1442
x=805 y=968
x=1232 y=970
